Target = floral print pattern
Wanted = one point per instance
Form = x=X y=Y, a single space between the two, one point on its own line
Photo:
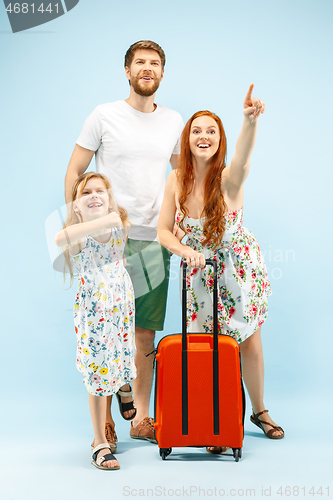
x=104 y=316
x=243 y=283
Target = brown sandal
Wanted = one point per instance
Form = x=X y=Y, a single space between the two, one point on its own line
x=111 y=437
x=259 y=423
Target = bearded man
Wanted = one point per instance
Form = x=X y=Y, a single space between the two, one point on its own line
x=133 y=141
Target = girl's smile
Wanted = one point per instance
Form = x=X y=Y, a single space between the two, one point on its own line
x=93 y=201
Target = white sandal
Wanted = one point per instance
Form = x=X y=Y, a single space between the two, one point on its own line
x=97 y=462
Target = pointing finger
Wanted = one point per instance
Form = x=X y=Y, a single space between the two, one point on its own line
x=248 y=96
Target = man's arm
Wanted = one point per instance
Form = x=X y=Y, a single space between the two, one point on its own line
x=78 y=164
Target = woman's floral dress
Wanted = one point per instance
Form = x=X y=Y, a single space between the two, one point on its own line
x=104 y=316
x=243 y=284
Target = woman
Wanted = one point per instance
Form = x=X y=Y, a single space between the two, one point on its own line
x=206 y=198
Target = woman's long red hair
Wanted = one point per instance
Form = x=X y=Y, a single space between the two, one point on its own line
x=215 y=207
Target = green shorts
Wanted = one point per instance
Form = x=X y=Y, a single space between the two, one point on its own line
x=148 y=267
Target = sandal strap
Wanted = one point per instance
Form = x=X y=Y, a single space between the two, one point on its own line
x=127 y=406
x=256 y=415
x=274 y=429
x=105 y=458
x=258 y=420
x=125 y=394
x=260 y=423
x=100 y=447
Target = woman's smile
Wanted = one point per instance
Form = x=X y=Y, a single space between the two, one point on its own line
x=204 y=137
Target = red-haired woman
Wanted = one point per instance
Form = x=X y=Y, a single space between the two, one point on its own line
x=206 y=198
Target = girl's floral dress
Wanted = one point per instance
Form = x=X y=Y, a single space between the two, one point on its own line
x=243 y=284
x=104 y=316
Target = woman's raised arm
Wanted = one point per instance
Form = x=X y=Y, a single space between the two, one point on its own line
x=238 y=169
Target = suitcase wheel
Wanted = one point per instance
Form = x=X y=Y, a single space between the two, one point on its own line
x=237 y=453
x=164 y=452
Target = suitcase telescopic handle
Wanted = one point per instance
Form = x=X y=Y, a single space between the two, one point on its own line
x=209 y=262
x=216 y=404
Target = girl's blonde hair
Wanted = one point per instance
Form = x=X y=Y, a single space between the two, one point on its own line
x=76 y=218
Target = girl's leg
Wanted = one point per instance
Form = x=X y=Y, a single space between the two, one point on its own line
x=253 y=374
x=97 y=406
x=110 y=434
x=108 y=415
x=109 y=419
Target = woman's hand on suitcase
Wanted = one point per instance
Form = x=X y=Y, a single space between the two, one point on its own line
x=194 y=259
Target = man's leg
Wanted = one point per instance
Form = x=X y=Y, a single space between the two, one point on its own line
x=144 y=340
x=149 y=270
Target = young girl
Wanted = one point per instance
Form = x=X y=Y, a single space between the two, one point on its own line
x=104 y=305
x=206 y=198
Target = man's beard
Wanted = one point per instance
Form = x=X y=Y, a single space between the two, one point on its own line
x=143 y=89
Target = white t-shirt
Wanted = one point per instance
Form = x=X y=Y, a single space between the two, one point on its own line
x=133 y=150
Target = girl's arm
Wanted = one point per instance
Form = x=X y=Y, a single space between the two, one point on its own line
x=238 y=170
x=126 y=225
x=72 y=235
x=166 y=223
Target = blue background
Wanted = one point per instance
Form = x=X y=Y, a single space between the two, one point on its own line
x=53 y=76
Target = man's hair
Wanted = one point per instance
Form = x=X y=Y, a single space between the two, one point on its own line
x=146 y=45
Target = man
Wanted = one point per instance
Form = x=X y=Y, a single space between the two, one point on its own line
x=133 y=141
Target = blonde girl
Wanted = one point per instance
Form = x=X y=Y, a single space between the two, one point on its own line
x=94 y=238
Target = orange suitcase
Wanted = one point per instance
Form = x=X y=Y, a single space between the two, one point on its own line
x=199 y=394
